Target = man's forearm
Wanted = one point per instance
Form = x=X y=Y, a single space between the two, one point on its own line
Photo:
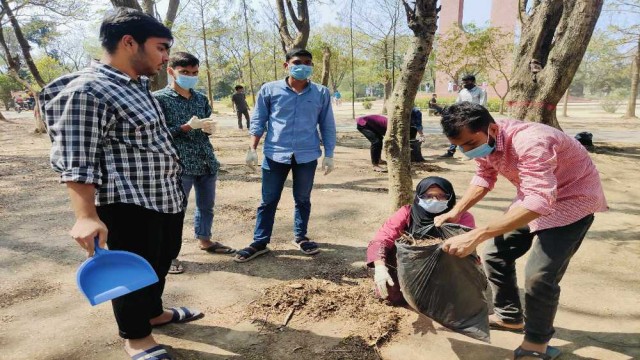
x=516 y=217
x=255 y=140
x=82 y=199
x=471 y=197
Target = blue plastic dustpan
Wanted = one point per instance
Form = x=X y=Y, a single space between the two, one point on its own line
x=112 y=273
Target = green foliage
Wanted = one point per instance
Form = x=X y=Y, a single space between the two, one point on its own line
x=493 y=105
x=367 y=104
x=50 y=68
x=611 y=104
x=8 y=84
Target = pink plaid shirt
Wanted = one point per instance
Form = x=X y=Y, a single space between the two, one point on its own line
x=552 y=172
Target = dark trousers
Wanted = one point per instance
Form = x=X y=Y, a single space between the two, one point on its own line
x=547 y=263
x=155 y=236
x=245 y=112
x=375 y=137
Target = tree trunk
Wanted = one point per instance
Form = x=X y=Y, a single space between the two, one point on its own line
x=148 y=7
x=502 y=106
x=24 y=44
x=566 y=103
x=635 y=77
x=133 y=4
x=14 y=72
x=206 y=56
x=162 y=79
x=353 y=77
x=422 y=21
x=556 y=34
x=246 y=29
x=299 y=20
x=326 y=65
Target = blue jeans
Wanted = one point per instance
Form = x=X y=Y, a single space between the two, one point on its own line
x=274 y=174
x=205 y=186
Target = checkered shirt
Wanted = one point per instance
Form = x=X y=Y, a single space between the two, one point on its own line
x=108 y=130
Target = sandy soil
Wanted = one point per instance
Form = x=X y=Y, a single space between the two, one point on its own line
x=43 y=316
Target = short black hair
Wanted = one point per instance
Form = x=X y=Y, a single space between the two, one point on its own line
x=297 y=52
x=125 y=21
x=238 y=87
x=469 y=78
x=465 y=114
x=183 y=59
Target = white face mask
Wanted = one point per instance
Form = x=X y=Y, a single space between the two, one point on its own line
x=433 y=206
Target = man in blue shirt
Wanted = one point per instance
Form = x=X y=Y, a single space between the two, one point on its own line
x=291 y=111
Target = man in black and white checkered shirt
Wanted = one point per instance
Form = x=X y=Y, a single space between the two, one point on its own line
x=115 y=154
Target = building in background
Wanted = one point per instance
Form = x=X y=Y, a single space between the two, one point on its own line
x=504 y=14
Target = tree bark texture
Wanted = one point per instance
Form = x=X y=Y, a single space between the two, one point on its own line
x=326 y=65
x=13 y=70
x=556 y=33
x=133 y=4
x=300 y=21
x=246 y=29
x=24 y=44
x=635 y=77
x=421 y=19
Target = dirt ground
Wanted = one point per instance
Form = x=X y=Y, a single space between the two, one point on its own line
x=326 y=300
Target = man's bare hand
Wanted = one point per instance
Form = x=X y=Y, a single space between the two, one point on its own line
x=85 y=230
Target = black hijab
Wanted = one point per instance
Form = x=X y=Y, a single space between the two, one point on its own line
x=420 y=218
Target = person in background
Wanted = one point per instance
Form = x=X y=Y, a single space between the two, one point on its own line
x=434 y=196
x=374 y=127
x=295 y=113
x=115 y=154
x=338 y=97
x=415 y=141
x=470 y=93
x=558 y=191
x=187 y=113
x=239 y=103
x=450 y=86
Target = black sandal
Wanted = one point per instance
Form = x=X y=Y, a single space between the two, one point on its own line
x=520 y=353
x=249 y=253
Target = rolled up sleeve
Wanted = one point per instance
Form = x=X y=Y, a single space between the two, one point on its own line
x=77 y=124
x=486 y=175
x=327 y=125
x=537 y=163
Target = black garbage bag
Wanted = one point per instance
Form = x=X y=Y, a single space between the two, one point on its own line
x=445 y=288
x=585 y=138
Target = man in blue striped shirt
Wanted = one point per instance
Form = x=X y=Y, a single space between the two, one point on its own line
x=291 y=111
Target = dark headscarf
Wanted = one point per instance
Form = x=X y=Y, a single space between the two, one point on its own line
x=420 y=218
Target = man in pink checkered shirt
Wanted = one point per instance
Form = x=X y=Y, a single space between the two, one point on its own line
x=558 y=192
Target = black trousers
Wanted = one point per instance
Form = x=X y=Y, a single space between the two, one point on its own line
x=375 y=137
x=547 y=263
x=245 y=112
x=155 y=236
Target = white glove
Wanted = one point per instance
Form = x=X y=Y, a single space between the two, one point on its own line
x=209 y=126
x=382 y=279
x=327 y=165
x=196 y=123
x=252 y=158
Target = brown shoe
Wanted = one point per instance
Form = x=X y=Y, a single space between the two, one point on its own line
x=496 y=324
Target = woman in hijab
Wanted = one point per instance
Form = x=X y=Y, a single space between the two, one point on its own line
x=434 y=196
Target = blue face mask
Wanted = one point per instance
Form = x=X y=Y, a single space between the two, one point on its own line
x=481 y=151
x=186 y=82
x=433 y=206
x=300 y=72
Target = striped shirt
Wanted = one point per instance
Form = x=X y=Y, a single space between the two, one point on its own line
x=108 y=130
x=552 y=172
